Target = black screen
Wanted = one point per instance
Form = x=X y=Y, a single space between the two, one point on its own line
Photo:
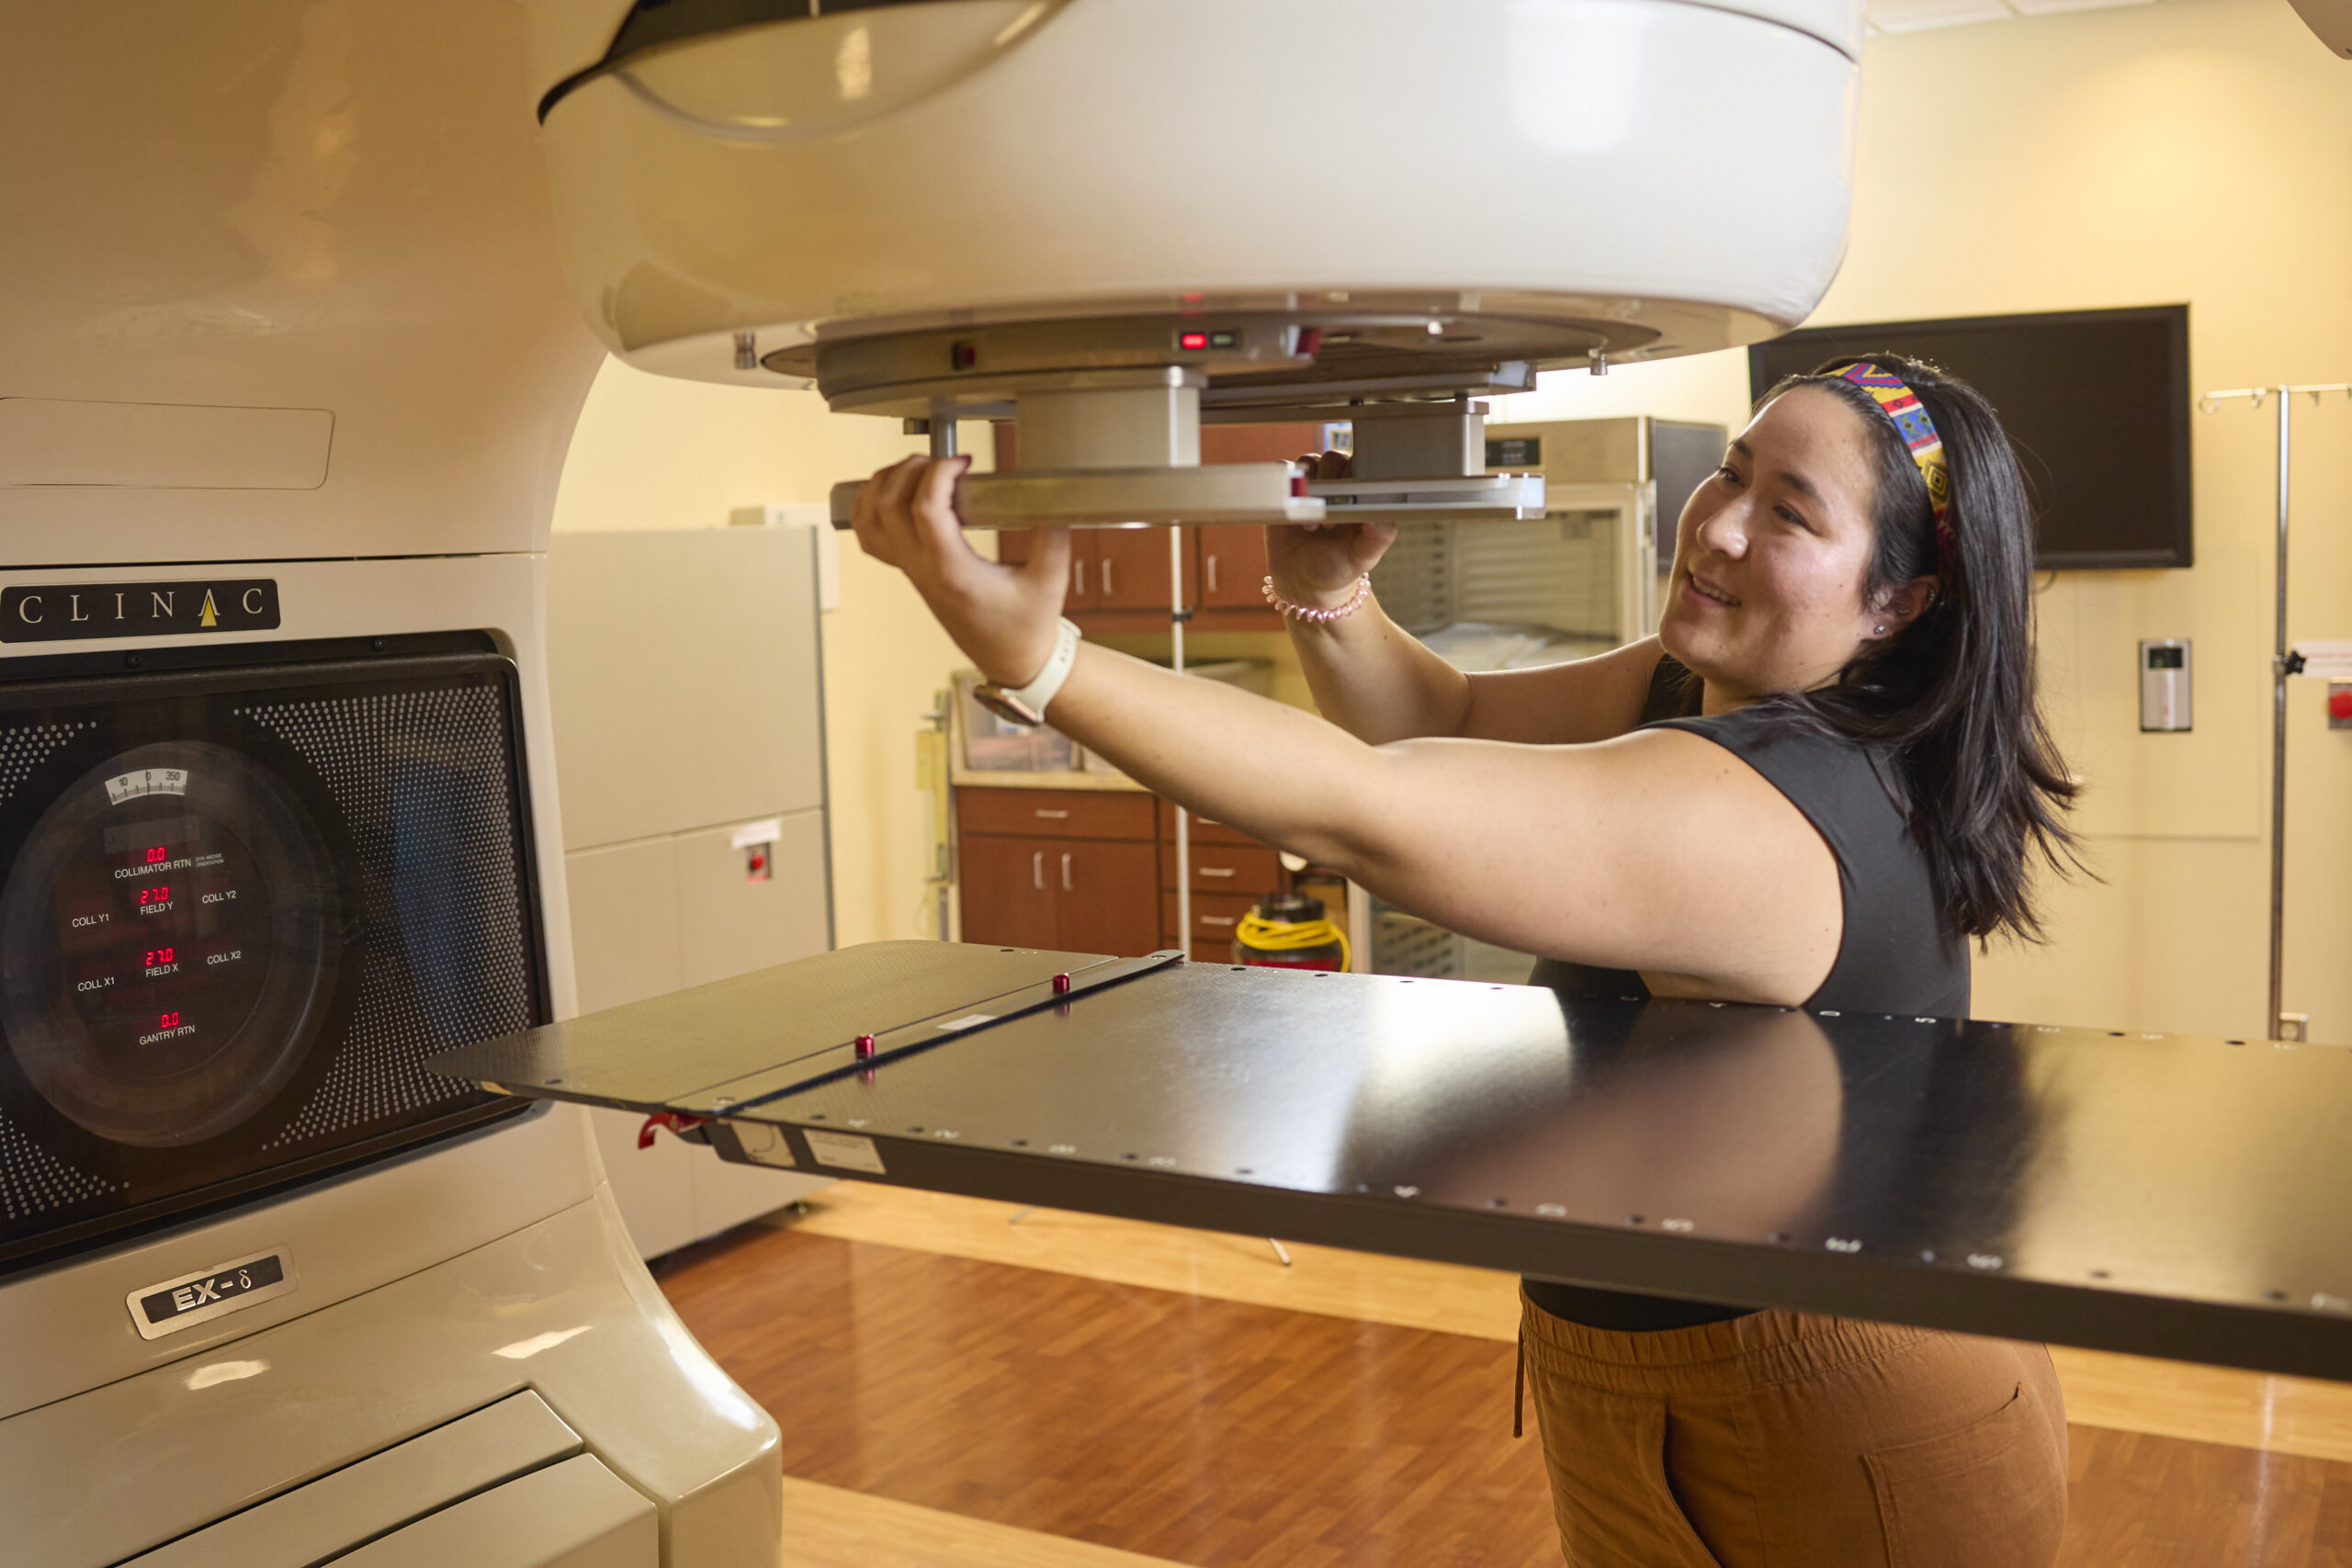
x=2097 y=402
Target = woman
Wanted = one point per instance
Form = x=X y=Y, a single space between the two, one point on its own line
x=1824 y=774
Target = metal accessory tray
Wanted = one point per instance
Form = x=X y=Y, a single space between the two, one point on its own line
x=2168 y=1195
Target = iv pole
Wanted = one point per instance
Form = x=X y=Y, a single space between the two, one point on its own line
x=1177 y=616
x=2284 y=663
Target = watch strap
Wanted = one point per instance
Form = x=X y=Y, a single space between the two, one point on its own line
x=1024 y=701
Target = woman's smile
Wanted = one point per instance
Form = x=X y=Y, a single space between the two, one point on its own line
x=1699 y=591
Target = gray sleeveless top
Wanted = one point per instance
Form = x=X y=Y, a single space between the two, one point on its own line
x=1898 y=953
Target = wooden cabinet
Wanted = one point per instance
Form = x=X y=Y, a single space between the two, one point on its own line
x=1231 y=871
x=1119 y=576
x=1007 y=900
x=1200 y=830
x=1232 y=571
x=1058 y=813
x=1131 y=568
x=1076 y=870
x=1094 y=871
x=1217 y=920
x=1103 y=891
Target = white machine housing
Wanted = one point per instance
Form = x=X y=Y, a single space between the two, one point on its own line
x=1113 y=219
x=281 y=299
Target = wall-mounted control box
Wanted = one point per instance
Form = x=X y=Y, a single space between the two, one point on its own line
x=2163 y=684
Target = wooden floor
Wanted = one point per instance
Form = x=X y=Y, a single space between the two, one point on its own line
x=944 y=1408
x=2281 y=1415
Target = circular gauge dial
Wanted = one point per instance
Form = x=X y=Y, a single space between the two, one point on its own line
x=166 y=944
x=163 y=923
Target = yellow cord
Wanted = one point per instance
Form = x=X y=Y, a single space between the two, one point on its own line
x=1283 y=936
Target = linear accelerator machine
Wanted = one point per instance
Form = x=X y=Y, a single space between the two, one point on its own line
x=290 y=355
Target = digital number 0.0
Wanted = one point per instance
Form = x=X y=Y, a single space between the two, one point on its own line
x=168 y=1020
x=155 y=855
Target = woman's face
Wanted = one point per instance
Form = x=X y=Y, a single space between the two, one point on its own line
x=1771 y=553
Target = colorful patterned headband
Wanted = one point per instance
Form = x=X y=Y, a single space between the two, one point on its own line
x=1909 y=415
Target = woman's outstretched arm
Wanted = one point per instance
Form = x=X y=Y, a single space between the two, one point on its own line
x=1658 y=852
x=1378 y=682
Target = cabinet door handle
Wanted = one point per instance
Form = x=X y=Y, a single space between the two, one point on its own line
x=1037 y=870
x=1217 y=919
x=1065 y=887
x=1108 y=592
x=1079 y=568
x=1210 y=567
x=1051 y=816
x=1218 y=869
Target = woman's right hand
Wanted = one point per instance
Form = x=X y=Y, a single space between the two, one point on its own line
x=1317 y=564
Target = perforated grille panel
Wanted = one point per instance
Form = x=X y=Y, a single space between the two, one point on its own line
x=392 y=919
x=22 y=750
x=423 y=782
x=32 y=1179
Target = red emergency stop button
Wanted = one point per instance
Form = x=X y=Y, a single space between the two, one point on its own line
x=2339 y=705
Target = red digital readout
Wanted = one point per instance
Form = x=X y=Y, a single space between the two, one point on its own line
x=155 y=855
x=159 y=955
x=1193 y=341
x=168 y=1020
x=154 y=896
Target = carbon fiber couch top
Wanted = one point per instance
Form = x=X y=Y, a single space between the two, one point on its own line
x=2168 y=1195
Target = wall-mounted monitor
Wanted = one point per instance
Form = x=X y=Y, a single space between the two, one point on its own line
x=2096 y=401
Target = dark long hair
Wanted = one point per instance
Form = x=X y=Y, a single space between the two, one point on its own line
x=1951 y=697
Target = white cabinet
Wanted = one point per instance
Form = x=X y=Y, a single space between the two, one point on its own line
x=686 y=677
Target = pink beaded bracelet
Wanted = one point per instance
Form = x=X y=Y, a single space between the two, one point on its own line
x=1320 y=618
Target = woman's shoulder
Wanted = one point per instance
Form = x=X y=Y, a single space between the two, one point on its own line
x=1829 y=774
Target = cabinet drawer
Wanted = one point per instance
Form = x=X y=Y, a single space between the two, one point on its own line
x=1223 y=868
x=1215 y=917
x=1054 y=813
x=1201 y=831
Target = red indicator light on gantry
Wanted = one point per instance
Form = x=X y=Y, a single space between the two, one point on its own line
x=1192 y=340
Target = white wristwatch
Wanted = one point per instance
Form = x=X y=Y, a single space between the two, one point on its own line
x=1026 y=705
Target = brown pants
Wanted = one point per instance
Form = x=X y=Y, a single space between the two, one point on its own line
x=1797 y=1441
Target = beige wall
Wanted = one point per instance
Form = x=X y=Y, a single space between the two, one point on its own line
x=651 y=453
x=2197 y=150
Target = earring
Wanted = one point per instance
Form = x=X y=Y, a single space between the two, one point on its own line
x=1881 y=631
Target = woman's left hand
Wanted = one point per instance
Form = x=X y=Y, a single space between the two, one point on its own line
x=1003 y=618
